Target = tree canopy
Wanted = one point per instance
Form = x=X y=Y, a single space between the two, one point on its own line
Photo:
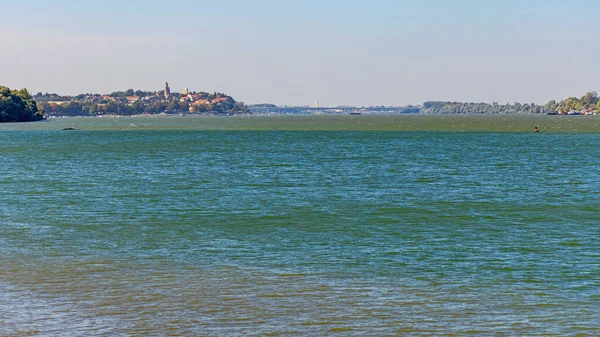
x=18 y=106
x=588 y=102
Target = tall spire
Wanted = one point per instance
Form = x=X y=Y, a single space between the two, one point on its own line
x=167 y=90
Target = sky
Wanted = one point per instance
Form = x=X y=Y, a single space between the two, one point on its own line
x=339 y=52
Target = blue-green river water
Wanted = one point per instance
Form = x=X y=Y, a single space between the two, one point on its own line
x=227 y=233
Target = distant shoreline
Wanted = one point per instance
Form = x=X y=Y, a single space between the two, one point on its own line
x=332 y=115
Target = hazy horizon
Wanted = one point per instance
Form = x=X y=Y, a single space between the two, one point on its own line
x=337 y=52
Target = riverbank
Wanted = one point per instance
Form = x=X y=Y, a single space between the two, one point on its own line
x=412 y=122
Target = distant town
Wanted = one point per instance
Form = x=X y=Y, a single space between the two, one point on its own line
x=136 y=102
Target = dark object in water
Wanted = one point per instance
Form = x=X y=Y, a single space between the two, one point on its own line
x=535 y=129
x=68 y=129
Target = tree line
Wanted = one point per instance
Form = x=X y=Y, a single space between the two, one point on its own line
x=588 y=102
x=146 y=102
x=78 y=108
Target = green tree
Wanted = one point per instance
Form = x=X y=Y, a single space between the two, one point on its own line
x=18 y=106
x=590 y=98
x=550 y=106
x=173 y=105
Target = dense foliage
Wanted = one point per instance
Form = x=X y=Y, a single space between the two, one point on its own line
x=588 y=102
x=132 y=102
x=479 y=108
x=18 y=106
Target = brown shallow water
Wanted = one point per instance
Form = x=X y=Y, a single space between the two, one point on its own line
x=458 y=123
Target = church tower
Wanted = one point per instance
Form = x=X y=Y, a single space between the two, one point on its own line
x=167 y=91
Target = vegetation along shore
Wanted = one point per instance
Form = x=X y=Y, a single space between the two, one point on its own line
x=136 y=102
x=20 y=106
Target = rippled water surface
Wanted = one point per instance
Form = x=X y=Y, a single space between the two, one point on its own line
x=224 y=233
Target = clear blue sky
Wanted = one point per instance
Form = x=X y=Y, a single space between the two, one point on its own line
x=378 y=52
